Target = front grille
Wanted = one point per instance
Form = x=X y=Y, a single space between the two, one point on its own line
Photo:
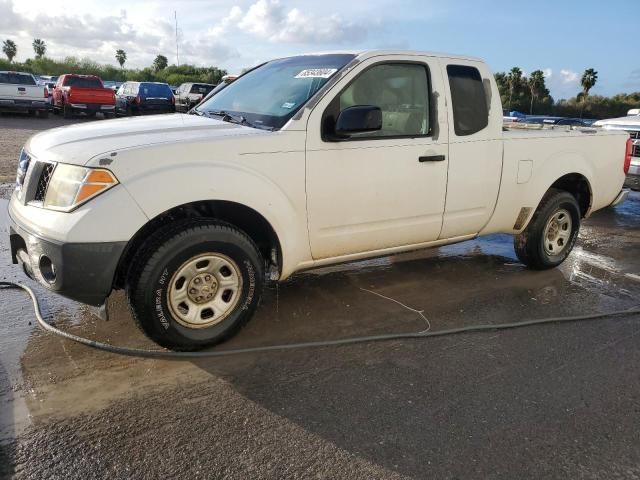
x=43 y=182
x=636 y=151
x=635 y=135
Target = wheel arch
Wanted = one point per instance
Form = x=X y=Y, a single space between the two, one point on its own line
x=245 y=218
x=579 y=186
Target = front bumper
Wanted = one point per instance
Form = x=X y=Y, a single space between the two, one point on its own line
x=81 y=271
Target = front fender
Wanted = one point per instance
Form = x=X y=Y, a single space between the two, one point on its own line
x=277 y=194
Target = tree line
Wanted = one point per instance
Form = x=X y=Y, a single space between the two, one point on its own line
x=526 y=94
x=159 y=71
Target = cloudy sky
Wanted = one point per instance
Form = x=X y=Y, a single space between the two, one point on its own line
x=560 y=37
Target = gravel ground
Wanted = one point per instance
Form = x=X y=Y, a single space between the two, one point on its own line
x=16 y=130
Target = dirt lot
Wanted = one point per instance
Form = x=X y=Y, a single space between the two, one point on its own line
x=553 y=402
x=16 y=129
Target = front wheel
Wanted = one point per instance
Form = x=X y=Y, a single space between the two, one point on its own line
x=551 y=233
x=196 y=283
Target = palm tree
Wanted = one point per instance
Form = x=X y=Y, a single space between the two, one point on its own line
x=513 y=79
x=589 y=79
x=121 y=57
x=39 y=47
x=535 y=81
x=10 y=49
x=160 y=63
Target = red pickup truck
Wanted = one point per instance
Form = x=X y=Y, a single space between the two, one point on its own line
x=83 y=93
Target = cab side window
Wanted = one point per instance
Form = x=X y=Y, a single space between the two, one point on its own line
x=469 y=102
x=400 y=90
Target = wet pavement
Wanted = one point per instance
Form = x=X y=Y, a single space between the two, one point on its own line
x=558 y=401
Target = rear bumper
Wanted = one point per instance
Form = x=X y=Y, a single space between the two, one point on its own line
x=23 y=105
x=633 y=177
x=622 y=196
x=81 y=271
x=92 y=107
x=157 y=108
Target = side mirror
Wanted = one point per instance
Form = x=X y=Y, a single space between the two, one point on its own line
x=358 y=119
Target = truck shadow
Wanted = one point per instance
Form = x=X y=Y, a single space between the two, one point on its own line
x=405 y=404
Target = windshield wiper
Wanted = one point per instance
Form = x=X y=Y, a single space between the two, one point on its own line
x=232 y=118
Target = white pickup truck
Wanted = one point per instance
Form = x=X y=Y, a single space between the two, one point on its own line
x=301 y=162
x=20 y=92
x=631 y=125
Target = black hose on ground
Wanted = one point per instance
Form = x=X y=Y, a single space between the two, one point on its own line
x=139 y=352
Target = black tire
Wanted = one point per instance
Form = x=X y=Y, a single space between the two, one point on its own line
x=151 y=274
x=66 y=111
x=530 y=244
x=129 y=111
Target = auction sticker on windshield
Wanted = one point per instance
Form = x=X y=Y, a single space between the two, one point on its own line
x=316 y=73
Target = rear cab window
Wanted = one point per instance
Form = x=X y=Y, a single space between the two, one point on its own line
x=201 y=89
x=82 y=82
x=17 y=78
x=468 y=98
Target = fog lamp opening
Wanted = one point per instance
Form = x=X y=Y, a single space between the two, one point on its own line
x=47 y=269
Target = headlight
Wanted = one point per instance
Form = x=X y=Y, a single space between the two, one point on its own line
x=71 y=186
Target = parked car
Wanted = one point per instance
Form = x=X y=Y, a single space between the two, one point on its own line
x=82 y=94
x=188 y=95
x=50 y=86
x=112 y=84
x=512 y=116
x=548 y=120
x=302 y=162
x=631 y=125
x=44 y=79
x=135 y=98
x=226 y=80
x=20 y=92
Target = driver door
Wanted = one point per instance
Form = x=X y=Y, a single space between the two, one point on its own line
x=383 y=189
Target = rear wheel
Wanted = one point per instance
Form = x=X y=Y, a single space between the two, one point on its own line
x=195 y=284
x=66 y=111
x=551 y=233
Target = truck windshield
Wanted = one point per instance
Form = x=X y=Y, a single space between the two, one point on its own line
x=271 y=94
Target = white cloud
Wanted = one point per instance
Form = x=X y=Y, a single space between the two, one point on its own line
x=98 y=36
x=568 y=76
x=564 y=84
x=272 y=21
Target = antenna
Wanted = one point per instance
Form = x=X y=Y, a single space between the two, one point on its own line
x=175 y=16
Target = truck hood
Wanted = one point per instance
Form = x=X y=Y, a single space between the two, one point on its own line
x=623 y=123
x=77 y=144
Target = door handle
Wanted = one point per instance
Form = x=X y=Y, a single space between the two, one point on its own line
x=431 y=158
